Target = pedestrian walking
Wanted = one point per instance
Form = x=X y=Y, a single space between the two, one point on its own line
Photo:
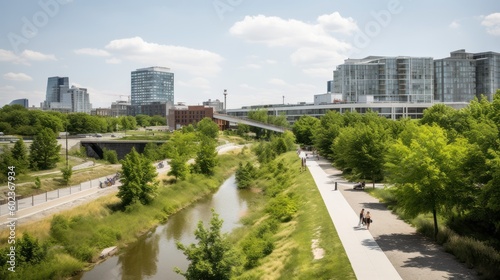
x=361 y=217
x=368 y=219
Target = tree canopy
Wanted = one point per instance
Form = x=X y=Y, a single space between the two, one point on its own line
x=44 y=151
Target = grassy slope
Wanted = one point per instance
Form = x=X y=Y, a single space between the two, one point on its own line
x=292 y=257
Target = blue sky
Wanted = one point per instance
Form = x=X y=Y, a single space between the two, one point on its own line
x=258 y=50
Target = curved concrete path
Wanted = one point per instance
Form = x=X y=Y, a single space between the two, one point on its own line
x=391 y=249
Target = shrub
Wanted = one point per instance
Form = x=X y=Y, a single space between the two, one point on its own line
x=282 y=207
x=110 y=156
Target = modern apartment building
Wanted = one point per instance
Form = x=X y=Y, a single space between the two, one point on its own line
x=151 y=85
x=487 y=73
x=78 y=100
x=455 y=77
x=385 y=79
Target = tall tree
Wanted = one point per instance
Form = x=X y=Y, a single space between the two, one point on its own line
x=20 y=154
x=212 y=258
x=304 y=129
x=138 y=179
x=206 y=157
x=44 y=151
x=208 y=128
x=425 y=168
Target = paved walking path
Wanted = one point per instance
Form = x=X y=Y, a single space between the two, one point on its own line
x=391 y=249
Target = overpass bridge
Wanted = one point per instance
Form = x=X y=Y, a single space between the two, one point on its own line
x=249 y=122
x=95 y=148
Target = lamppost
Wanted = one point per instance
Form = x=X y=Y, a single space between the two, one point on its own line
x=66 y=132
x=283 y=100
x=225 y=104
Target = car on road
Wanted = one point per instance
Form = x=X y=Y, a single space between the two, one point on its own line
x=98 y=135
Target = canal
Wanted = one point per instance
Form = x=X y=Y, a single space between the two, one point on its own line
x=154 y=255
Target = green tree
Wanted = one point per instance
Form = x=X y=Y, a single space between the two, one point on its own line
x=178 y=167
x=138 y=179
x=20 y=154
x=424 y=167
x=67 y=172
x=143 y=120
x=208 y=128
x=44 y=151
x=245 y=175
x=360 y=149
x=304 y=129
x=212 y=258
x=206 y=157
x=152 y=151
x=6 y=161
x=157 y=120
x=326 y=132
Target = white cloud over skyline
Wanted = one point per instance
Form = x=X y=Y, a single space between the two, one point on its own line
x=17 y=77
x=492 y=23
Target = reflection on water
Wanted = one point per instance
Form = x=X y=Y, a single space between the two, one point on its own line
x=155 y=255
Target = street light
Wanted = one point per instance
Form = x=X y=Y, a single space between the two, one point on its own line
x=283 y=100
x=225 y=104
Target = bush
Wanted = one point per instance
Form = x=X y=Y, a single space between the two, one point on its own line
x=110 y=156
x=282 y=207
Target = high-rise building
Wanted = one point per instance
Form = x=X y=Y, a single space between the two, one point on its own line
x=487 y=73
x=455 y=77
x=151 y=85
x=77 y=99
x=385 y=79
x=56 y=87
x=216 y=104
x=23 y=102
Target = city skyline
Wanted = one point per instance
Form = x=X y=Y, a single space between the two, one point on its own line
x=259 y=51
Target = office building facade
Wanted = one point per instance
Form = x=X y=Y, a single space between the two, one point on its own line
x=487 y=73
x=23 y=102
x=56 y=87
x=151 y=85
x=386 y=79
x=77 y=99
x=455 y=77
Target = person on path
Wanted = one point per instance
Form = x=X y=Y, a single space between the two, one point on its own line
x=361 y=217
x=368 y=219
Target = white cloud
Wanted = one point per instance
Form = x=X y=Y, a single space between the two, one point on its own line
x=6 y=55
x=37 y=56
x=314 y=45
x=195 y=61
x=336 y=23
x=454 y=24
x=92 y=52
x=492 y=23
x=25 y=57
x=17 y=77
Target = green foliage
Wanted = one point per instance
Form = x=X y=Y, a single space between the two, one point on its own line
x=245 y=174
x=38 y=183
x=66 y=172
x=424 y=166
x=152 y=151
x=143 y=120
x=6 y=161
x=304 y=129
x=81 y=123
x=283 y=207
x=127 y=123
x=178 y=167
x=157 y=120
x=138 y=180
x=44 y=151
x=29 y=250
x=360 y=149
x=212 y=257
x=206 y=157
x=208 y=128
x=110 y=156
x=20 y=154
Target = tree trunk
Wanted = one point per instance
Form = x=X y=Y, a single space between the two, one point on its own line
x=435 y=222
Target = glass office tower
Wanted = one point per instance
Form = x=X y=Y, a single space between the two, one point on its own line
x=455 y=77
x=385 y=79
x=487 y=73
x=56 y=86
x=150 y=85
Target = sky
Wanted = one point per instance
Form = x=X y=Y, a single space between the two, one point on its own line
x=261 y=52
